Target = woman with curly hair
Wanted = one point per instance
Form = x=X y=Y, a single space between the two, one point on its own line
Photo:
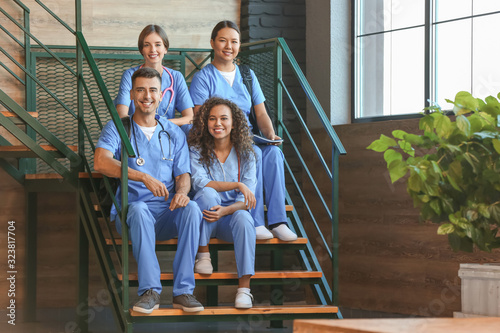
x=223 y=173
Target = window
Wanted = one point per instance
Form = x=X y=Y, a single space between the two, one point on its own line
x=410 y=52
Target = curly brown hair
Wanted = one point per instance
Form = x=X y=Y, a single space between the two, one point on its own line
x=200 y=139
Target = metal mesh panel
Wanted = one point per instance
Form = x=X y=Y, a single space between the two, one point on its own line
x=62 y=84
x=262 y=64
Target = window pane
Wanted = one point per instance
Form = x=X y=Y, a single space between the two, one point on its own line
x=486 y=6
x=392 y=73
x=486 y=52
x=407 y=72
x=382 y=15
x=371 y=76
x=453 y=60
x=408 y=13
x=452 y=9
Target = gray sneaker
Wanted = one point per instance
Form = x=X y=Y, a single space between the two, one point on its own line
x=149 y=301
x=188 y=303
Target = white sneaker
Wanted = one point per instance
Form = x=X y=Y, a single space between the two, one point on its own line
x=243 y=300
x=203 y=266
x=284 y=233
x=262 y=233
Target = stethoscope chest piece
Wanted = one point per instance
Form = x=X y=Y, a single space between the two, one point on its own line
x=140 y=161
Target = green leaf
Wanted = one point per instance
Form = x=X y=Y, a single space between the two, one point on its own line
x=494 y=211
x=392 y=155
x=483 y=210
x=436 y=206
x=458 y=243
x=397 y=169
x=445 y=229
x=496 y=145
x=444 y=127
x=426 y=123
x=465 y=103
x=382 y=144
x=406 y=147
x=399 y=134
x=414 y=139
x=463 y=125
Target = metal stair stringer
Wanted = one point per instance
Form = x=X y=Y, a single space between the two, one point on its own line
x=89 y=219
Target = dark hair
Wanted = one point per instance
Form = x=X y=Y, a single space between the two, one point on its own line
x=148 y=30
x=224 y=24
x=146 y=72
x=201 y=139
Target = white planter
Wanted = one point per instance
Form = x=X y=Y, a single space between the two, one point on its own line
x=480 y=290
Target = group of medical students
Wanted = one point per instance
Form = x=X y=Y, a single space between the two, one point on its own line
x=197 y=175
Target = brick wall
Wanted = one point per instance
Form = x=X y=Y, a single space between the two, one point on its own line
x=263 y=19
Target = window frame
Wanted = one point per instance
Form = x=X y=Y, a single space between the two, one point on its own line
x=429 y=58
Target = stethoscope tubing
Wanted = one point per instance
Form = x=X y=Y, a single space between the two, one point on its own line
x=140 y=161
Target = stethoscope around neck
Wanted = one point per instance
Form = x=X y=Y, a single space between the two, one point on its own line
x=140 y=161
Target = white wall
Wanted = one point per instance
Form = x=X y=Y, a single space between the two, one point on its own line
x=328 y=60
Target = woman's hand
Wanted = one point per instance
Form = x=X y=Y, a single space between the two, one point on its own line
x=250 y=200
x=214 y=213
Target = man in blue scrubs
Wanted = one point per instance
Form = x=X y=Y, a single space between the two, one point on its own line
x=159 y=181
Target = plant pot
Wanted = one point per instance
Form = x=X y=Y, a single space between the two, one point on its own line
x=480 y=290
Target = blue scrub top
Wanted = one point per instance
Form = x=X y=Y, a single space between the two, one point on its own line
x=227 y=171
x=150 y=151
x=180 y=102
x=209 y=82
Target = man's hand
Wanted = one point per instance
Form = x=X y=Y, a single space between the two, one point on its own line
x=155 y=186
x=179 y=200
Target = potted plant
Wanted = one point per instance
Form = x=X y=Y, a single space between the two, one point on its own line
x=452 y=171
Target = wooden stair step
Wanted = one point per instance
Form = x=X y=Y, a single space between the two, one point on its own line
x=15 y=119
x=234 y=275
x=23 y=151
x=215 y=241
x=231 y=311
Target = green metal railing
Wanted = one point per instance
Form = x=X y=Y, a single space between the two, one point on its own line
x=292 y=103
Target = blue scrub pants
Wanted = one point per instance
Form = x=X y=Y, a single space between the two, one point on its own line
x=271 y=182
x=154 y=221
x=237 y=228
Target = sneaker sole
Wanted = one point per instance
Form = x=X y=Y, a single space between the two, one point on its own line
x=203 y=272
x=243 y=306
x=143 y=310
x=264 y=237
x=187 y=309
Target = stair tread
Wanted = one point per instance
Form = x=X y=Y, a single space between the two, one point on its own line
x=18 y=151
x=228 y=310
x=234 y=275
x=12 y=114
x=173 y=241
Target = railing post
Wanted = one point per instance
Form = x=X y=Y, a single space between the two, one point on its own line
x=123 y=219
x=278 y=89
x=83 y=241
x=28 y=165
x=335 y=224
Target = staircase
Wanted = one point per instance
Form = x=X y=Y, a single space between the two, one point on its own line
x=48 y=145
